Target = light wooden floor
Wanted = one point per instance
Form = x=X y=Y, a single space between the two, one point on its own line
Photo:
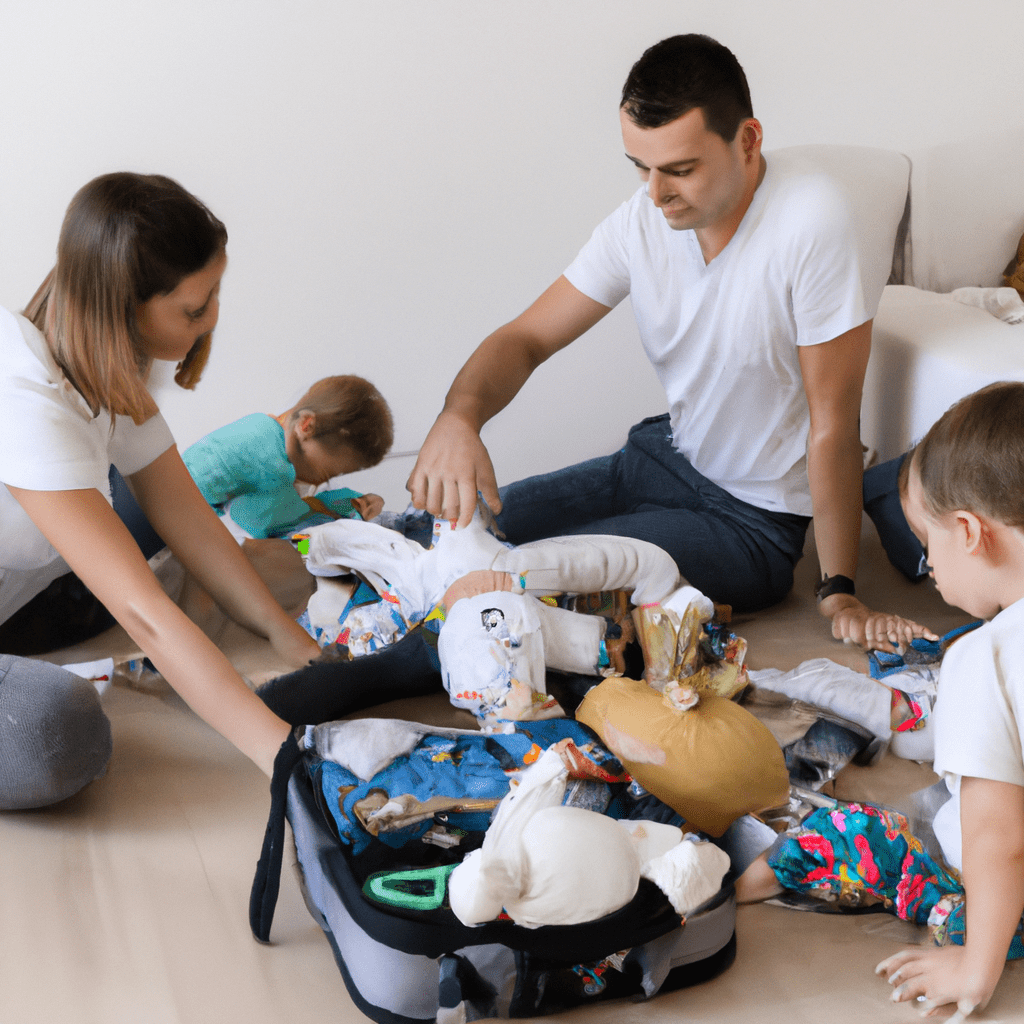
x=128 y=903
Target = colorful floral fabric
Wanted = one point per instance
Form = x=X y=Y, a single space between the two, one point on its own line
x=857 y=855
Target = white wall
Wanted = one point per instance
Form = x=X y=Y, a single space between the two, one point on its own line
x=398 y=178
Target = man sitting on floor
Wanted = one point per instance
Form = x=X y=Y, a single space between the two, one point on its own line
x=744 y=279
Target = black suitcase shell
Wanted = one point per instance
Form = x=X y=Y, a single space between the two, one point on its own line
x=400 y=970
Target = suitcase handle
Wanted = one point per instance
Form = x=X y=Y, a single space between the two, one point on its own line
x=267 y=881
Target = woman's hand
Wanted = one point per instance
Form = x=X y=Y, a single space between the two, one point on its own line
x=295 y=646
x=942 y=975
x=853 y=622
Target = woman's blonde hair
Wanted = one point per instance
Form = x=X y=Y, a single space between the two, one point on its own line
x=349 y=410
x=125 y=239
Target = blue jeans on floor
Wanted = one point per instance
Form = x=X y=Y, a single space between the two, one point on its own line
x=734 y=552
x=883 y=506
x=67 y=612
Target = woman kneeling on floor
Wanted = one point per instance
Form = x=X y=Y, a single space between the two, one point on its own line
x=137 y=279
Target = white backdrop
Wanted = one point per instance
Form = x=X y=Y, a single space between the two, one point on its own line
x=400 y=178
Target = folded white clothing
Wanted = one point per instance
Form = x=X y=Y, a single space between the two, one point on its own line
x=1003 y=303
x=690 y=873
x=491 y=651
x=678 y=602
x=495 y=647
x=420 y=577
x=843 y=691
x=533 y=853
x=531 y=858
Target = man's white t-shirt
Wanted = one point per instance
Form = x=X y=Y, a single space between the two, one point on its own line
x=723 y=337
x=978 y=716
x=50 y=441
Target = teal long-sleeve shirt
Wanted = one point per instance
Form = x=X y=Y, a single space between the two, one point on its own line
x=246 y=463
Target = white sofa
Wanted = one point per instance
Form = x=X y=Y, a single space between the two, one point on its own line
x=932 y=221
x=966 y=217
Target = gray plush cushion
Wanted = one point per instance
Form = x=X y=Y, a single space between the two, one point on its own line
x=54 y=736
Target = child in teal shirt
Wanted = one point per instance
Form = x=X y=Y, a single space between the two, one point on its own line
x=250 y=470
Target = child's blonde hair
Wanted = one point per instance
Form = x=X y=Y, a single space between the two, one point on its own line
x=349 y=410
x=125 y=238
x=973 y=457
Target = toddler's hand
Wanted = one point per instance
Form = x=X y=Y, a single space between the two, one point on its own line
x=942 y=975
x=369 y=506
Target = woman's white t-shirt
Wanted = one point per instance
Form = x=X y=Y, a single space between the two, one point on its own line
x=50 y=441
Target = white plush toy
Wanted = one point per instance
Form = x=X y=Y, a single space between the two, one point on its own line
x=535 y=850
x=494 y=647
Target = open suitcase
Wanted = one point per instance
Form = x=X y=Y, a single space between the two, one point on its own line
x=404 y=966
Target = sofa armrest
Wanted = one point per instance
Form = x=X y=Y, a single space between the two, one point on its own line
x=928 y=351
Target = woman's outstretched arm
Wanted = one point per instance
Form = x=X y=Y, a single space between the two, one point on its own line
x=98 y=547
x=192 y=530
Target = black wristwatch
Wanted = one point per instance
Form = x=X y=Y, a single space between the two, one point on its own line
x=829 y=585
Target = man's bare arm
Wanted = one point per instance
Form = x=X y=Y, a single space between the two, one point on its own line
x=453 y=464
x=833 y=375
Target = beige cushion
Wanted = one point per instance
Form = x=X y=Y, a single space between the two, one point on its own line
x=712 y=764
x=928 y=351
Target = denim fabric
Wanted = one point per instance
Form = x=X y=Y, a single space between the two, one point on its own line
x=133 y=517
x=67 y=612
x=883 y=506
x=732 y=551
